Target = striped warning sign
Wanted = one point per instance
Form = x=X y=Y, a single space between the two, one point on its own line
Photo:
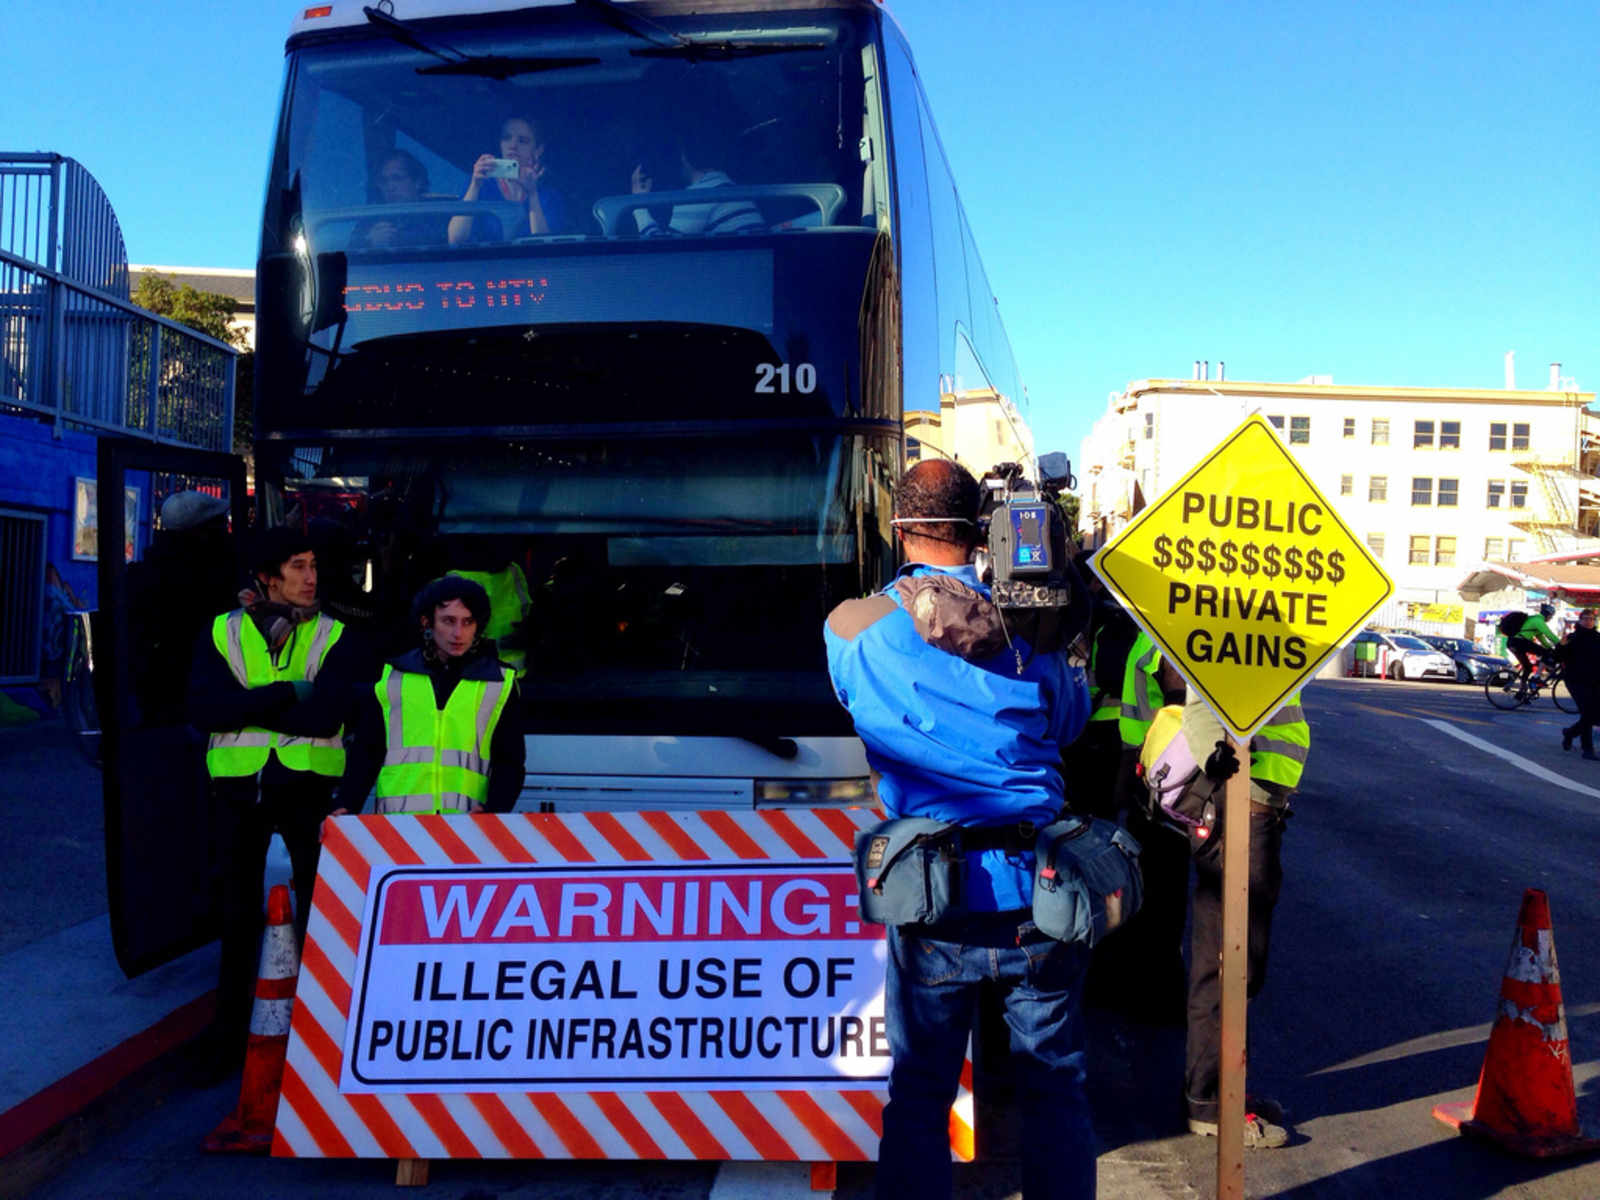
x=591 y=985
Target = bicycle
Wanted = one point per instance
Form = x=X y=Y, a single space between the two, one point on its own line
x=1507 y=689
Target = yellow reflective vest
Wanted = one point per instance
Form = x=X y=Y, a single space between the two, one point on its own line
x=437 y=760
x=245 y=751
x=1141 y=691
x=509 y=603
x=1279 y=749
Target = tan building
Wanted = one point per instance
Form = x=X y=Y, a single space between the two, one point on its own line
x=1434 y=480
x=979 y=428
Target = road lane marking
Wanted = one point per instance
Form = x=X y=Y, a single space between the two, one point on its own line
x=1516 y=760
x=1389 y=712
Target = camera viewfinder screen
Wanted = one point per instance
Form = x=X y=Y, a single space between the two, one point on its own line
x=1029 y=548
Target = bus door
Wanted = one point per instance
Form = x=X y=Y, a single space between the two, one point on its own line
x=163 y=861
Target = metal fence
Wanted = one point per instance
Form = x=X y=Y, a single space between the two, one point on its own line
x=21 y=593
x=73 y=349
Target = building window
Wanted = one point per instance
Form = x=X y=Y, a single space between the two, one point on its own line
x=1497 y=435
x=1515 y=548
x=1349 y=427
x=1380 y=431
x=1449 y=435
x=1519 y=436
x=1378 y=487
x=1494 y=549
x=1375 y=544
x=1149 y=426
x=1444 y=552
x=1422 y=489
x=1519 y=493
x=1347 y=484
x=1497 y=492
x=1299 y=431
x=1277 y=423
x=1421 y=434
x=1448 y=491
x=1419 y=550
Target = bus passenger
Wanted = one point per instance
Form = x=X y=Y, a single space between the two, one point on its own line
x=697 y=148
x=521 y=143
x=401 y=179
x=441 y=732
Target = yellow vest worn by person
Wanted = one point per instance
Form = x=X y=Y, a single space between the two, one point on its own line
x=245 y=751
x=437 y=760
x=509 y=603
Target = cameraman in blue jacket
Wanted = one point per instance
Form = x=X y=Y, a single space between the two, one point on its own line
x=964 y=723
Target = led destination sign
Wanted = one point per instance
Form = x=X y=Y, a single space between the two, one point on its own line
x=690 y=287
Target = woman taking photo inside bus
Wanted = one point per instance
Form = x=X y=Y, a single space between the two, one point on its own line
x=515 y=176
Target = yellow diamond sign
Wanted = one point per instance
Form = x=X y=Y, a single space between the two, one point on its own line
x=1245 y=576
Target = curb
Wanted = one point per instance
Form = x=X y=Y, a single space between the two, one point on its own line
x=39 y=1134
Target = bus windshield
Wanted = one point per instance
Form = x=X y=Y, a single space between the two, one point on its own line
x=380 y=139
x=680 y=583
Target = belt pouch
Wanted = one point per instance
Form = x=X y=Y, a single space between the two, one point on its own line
x=909 y=872
x=1086 y=880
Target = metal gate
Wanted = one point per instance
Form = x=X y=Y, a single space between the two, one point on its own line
x=21 y=594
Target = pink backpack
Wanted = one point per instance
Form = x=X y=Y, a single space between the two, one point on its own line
x=1178 y=793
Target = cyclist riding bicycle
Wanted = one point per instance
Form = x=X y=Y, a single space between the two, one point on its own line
x=1527 y=633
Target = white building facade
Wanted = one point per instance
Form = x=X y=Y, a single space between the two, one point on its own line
x=1434 y=480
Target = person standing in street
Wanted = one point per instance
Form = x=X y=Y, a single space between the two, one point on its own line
x=269 y=685
x=1278 y=752
x=963 y=729
x=1580 y=656
x=442 y=729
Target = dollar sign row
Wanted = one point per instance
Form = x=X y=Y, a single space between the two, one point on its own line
x=1230 y=557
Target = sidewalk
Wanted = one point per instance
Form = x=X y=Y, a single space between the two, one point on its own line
x=73 y=1026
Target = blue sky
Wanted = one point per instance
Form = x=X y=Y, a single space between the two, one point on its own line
x=1386 y=193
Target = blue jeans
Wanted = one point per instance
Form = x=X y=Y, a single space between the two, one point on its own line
x=929 y=1004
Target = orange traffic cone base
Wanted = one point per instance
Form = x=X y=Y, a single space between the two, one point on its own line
x=1458 y=1115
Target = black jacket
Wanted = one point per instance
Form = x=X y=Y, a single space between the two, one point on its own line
x=507 y=750
x=1580 y=656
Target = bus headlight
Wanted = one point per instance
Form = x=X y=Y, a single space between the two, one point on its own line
x=816 y=793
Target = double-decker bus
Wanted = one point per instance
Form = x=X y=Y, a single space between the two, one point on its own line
x=678 y=414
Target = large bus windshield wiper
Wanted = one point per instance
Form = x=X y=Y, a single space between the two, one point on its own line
x=454 y=62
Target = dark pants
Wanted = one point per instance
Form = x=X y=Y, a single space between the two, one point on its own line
x=930 y=998
x=1587 y=697
x=1205 y=954
x=291 y=804
x=1521 y=648
x=1138 y=971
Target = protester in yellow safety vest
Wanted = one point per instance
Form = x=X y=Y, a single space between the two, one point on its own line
x=269 y=684
x=509 y=603
x=442 y=730
x=1278 y=752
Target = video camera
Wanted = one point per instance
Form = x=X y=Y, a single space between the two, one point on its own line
x=1024 y=558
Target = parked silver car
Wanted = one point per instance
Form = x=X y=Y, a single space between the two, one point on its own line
x=1408 y=656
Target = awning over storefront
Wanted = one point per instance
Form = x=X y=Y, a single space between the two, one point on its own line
x=1578 y=581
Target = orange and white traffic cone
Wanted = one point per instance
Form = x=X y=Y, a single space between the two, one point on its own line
x=248 y=1130
x=1525 y=1101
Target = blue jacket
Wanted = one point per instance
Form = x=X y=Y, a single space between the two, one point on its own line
x=972 y=743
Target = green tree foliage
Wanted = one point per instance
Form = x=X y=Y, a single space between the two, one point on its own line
x=209 y=313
